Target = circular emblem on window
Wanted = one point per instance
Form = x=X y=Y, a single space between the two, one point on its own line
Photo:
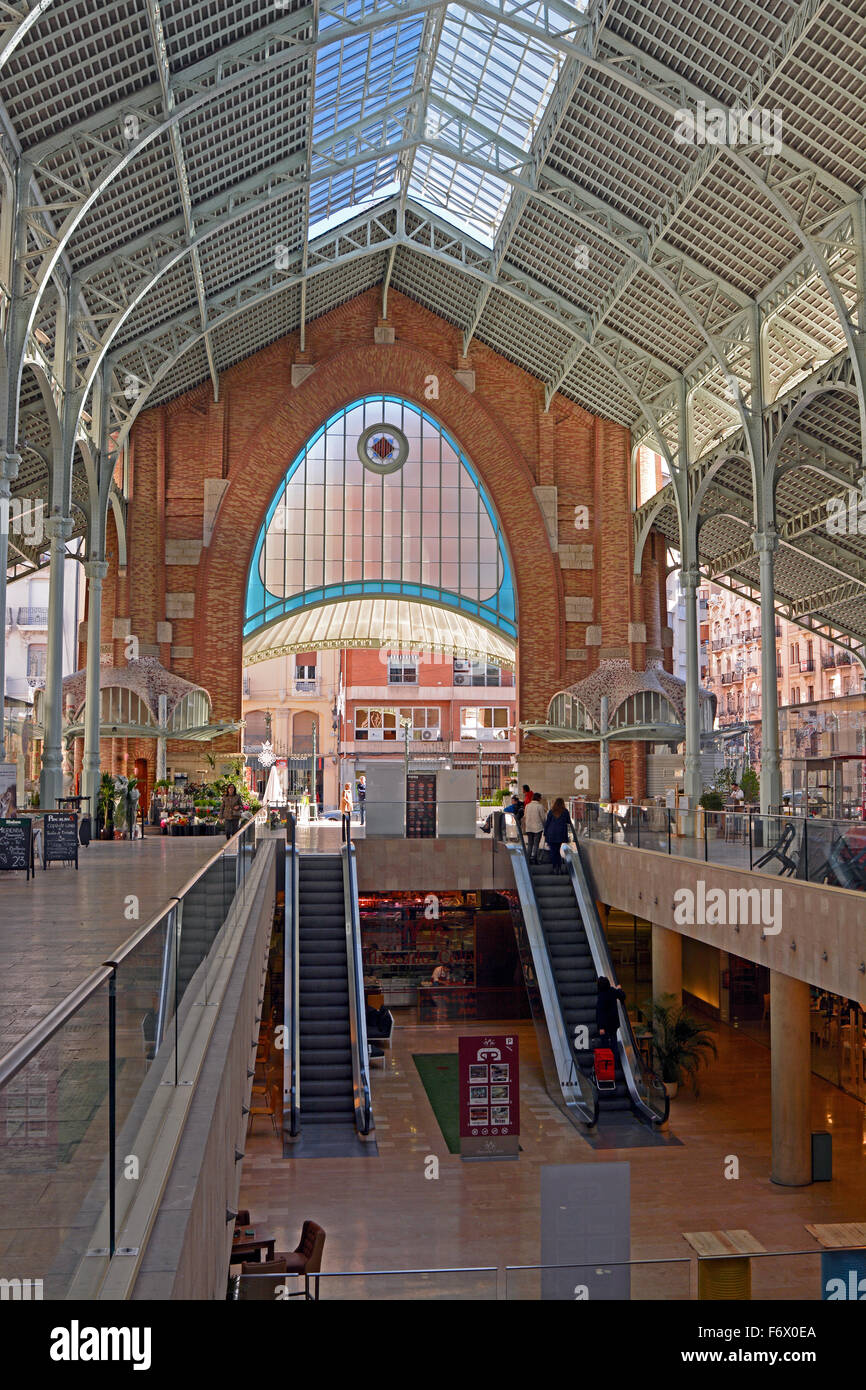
x=383 y=448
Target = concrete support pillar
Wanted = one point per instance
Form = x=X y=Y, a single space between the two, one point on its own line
x=766 y=543
x=667 y=963
x=693 y=779
x=161 y=742
x=96 y=570
x=8 y=473
x=58 y=529
x=604 y=753
x=791 y=1078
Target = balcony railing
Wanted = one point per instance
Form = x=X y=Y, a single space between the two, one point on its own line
x=807 y=665
x=32 y=617
x=307 y=687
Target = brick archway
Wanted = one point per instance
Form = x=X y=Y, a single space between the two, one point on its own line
x=399 y=369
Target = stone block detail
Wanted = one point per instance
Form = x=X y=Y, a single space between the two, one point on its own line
x=593 y=636
x=576 y=654
x=576 y=557
x=106 y=654
x=667 y=636
x=654 y=654
x=300 y=372
x=180 y=605
x=383 y=333
x=163 y=632
x=614 y=654
x=181 y=653
x=578 y=610
x=546 y=497
x=148 y=649
x=182 y=552
x=121 y=627
x=466 y=377
x=637 y=632
x=214 y=491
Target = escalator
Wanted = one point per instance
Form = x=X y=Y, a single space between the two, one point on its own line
x=568 y=948
x=328 y=1089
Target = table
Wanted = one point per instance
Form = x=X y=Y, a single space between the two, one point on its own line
x=724 y=1270
x=248 y=1246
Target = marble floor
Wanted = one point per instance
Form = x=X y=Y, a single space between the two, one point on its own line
x=61 y=925
x=387 y=1214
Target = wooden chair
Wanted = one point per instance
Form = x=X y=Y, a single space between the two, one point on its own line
x=271 y=1108
x=307 y=1259
x=262 y=1084
x=260 y=1289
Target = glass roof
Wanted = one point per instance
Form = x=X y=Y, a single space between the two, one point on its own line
x=482 y=70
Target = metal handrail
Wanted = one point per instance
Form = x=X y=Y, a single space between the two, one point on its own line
x=26 y=1048
x=362 y=1096
x=291 y=996
x=572 y=1081
x=632 y=1064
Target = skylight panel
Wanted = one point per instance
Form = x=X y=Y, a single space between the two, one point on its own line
x=502 y=83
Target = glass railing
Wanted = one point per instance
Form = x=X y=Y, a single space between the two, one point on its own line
x=783 y=1276
x=78 y=1094
x=479 y=1284
x=809 y=848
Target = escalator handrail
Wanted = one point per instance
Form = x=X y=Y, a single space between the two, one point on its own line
x=634 y=1070
x=362 y=1096
x=577 y=1088
x=291 y=1005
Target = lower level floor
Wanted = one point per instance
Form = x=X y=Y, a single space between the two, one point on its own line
x=391 y=1213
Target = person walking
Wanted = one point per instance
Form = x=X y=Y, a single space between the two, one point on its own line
x=556 y=829
x=230 y=810
x=533 y=825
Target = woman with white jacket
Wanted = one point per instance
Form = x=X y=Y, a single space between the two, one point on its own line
x=533 y=825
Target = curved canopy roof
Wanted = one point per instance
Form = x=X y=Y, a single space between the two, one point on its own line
x=387 y=624
x=573 y=185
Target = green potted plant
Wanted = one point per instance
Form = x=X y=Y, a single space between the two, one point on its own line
x=750 y=786
x=680 y=1042
x=106 y=806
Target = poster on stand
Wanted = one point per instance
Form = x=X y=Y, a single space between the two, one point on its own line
x=489 y=1066
x=8 y=793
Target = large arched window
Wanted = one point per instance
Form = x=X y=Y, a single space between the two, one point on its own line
x=381 y=501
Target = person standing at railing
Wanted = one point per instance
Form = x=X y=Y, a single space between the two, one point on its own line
x=533 y=825
x=362 y=797
x=346 y=806
x=556 y=829
x=230 y=810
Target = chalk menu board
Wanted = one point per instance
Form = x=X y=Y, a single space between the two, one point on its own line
x=16 y=843
x=60 y=838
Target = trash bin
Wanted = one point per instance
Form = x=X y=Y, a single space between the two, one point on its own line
x=822 y=1156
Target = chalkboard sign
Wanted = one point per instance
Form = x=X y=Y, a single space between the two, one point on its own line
x=60 y=838
x=16 y=843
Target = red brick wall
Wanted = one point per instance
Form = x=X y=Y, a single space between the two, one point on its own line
x=261 y=422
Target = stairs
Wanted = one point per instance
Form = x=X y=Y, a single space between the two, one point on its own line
x=323 y=1015
x=573 y=971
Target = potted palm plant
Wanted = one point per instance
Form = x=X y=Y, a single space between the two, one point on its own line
x=106 y=806
x=681 y=1043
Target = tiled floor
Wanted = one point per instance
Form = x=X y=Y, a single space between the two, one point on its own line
x=61 y=925
x=388 y=1215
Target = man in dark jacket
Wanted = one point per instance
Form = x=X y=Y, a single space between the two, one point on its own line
x=606 y=1012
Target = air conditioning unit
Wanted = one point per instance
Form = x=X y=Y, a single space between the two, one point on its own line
x=462 y=678
x=428 y=734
